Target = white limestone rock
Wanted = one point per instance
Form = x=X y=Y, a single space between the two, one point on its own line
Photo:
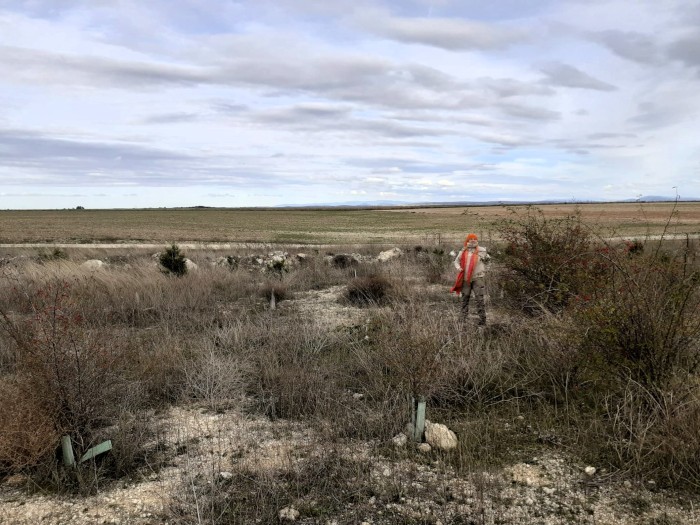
x=439 y=436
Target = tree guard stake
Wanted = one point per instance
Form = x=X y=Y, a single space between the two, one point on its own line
x=418 y=418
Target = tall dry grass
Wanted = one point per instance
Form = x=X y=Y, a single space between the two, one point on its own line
x=144 y=340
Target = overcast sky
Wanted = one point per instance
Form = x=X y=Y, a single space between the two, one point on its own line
x=133 y=103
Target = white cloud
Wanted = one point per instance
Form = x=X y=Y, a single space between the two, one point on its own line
x=269 y=102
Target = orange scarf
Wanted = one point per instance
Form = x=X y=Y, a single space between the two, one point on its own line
x=459 y=283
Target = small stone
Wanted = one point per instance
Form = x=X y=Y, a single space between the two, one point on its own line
x=590 y=471
x=288 y=514
x=357 y=396
x=548 y=490
x=424 y=448
x=399 y=440
x=225 y=475
x=521 y=418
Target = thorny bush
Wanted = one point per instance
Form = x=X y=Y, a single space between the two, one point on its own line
x=70 y=375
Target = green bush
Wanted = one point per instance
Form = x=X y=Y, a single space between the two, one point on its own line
x=173 y=260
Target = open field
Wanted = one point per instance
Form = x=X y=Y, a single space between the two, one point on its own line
x=579 y=402
x=321 y=226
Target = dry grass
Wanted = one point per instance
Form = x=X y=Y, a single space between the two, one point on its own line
x=148 y=340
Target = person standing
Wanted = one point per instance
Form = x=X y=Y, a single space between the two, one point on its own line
x=470 y=262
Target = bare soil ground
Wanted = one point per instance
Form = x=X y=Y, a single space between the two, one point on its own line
x=322 y=226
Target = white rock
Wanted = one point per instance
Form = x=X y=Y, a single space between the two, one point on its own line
x=93 y=264
x=439 y=436
x=548 y=490
x=399 y=440
x=424 y=448
x=225 y=475
x=389 y=255
x=190 y=265
x=357 y=396
x=288 y=514
x=590 y=471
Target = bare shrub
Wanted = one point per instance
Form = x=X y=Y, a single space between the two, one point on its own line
x=315 y=274
x=277 y=287
x=656 y=437
x=27 y=431
x=549 y=261
x=71 y=371
x=217 y=379
x=342 y=260
x=368 y=290
x=644 y=322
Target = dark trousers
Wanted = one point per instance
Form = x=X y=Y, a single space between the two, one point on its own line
x=476 y=287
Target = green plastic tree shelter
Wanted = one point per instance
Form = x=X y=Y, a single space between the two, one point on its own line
x=69 y=457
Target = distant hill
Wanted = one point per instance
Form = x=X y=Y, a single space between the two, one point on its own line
x=370 y=204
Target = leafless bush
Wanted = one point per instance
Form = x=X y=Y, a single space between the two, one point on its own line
x=369 y=290
x=279 y=289
x=217 y=379
x=652 y=436
x=27 y=431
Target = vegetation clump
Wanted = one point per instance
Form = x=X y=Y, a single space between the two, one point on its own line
x=368 y=290
x=173 y=260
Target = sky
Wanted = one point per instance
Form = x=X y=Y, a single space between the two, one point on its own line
x=132 y=103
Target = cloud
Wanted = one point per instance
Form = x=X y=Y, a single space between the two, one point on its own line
x=560 y=74
x=45 y=67
x=338 y=120
x=171 y=118
x=446 y=33
x=686 y=50
x=530 y=112
x=638 y=47
x=30 y=156
x=510 y=87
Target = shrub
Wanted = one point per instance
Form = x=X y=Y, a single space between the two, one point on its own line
x=173 y=260
x=643 y=323
x=548 y=261
x=216 y=378
x=69 y=374
x=27 y=431
x=57 y=254
x=276 y=287
x=342 y=260
x=368 y=290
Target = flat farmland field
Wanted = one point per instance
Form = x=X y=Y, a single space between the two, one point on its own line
x=327 y=226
